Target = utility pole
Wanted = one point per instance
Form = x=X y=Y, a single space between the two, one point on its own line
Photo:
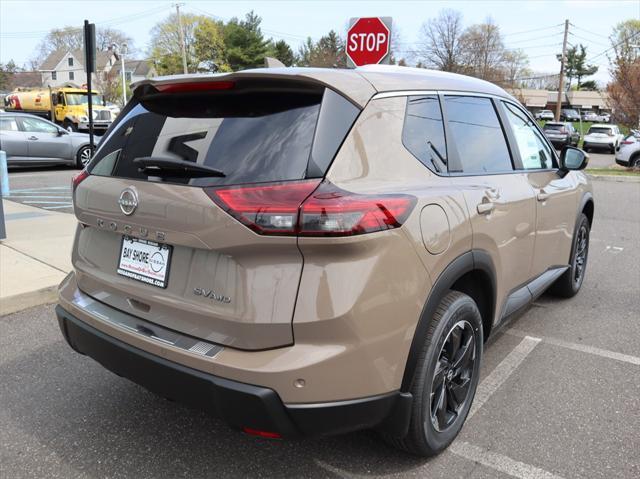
x=562 y=61
x=182 y=45
x=123 y=51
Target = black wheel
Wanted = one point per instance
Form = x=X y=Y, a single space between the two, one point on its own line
x=83 y=157
x=634 y=161
x=568 y=285
x=69 y=126
x=446 y=376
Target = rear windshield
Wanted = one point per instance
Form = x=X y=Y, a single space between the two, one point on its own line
x=606 y=131
x=553 y=126
x=251 y=138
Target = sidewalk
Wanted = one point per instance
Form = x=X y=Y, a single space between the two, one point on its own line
x=35 y=256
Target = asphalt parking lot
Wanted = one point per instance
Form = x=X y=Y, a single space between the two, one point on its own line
x=559 y=397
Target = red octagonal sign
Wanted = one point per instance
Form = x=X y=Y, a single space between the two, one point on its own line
x=368 y=41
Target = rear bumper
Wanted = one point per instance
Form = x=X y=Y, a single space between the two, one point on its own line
x=239 y=404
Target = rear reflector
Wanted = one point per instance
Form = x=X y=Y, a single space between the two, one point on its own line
x=265 y=434
x=311 y=208
x=185 y=87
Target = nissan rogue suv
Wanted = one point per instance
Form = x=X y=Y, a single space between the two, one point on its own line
x=314 y=251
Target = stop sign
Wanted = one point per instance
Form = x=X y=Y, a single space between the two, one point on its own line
x=368 y=41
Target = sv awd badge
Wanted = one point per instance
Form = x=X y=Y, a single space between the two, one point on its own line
x=209 y=293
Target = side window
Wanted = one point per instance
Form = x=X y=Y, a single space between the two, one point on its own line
x=423 y=131
x=8 y=124
x=534 y=151
x=35 y=125
x=477 y=134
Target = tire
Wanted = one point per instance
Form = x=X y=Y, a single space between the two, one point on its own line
x=568 y=285
x=69 y=126
x=634 y=161
x=457 y=320
x=83 y=157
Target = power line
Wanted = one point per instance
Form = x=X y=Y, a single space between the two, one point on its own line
x=624 y=40
x=588 y=31
x=587 y=39
x=531 y=31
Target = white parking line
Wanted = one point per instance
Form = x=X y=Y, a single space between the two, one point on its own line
x=19 y=197
x=57 y=207
x=581 y=347
x=500 y=462
x=43 y=188
x=47 y=202
x=502 y=372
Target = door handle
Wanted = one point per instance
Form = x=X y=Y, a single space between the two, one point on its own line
x=542 y=195
x=32 y=138
x=485 y=208
x=492 y=193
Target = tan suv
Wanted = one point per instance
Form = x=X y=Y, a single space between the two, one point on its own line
x=312 y=251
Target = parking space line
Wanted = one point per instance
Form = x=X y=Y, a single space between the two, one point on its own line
x=43 y=188
x=38 y=196
x=581 y=347
x=500 y=462
x=47 y=202
x=502 y=372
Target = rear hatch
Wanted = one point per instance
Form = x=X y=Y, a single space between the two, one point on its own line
x=162 y=234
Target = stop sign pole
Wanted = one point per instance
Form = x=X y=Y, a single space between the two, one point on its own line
x=368 y=41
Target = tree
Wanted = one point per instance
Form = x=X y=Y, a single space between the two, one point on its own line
x=624 y=65
x=71 y=38
x=6 y=74
x=589 y=85
x=283 y=52
x=245 y=44
x=209 y=47
x=515 y=65
x=441 y=46
x=305 y=52
x=166 y=52
x=483 y=51
x=576 y=66
x=329 y=52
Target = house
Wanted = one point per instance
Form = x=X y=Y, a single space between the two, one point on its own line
x=65 y=67
x=536 y=100
x=135 y=70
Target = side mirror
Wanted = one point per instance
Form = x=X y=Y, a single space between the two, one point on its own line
x=572 y=158
x=62 y=132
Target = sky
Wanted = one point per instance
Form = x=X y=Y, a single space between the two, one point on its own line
x=23 y=23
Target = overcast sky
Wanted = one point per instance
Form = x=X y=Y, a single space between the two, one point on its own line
x=23 y=23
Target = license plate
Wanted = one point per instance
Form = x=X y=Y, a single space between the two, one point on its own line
x=145 y=261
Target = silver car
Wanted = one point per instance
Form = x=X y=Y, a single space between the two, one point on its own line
x=29 y=140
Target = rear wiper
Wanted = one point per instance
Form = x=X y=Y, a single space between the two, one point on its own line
x=156 y=166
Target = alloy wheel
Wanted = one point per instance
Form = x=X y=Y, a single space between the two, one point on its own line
x=452 y=379
x=582 y=246
x=85 y=156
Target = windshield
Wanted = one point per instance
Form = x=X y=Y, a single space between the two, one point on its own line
x=571 y=112
x=82 y=98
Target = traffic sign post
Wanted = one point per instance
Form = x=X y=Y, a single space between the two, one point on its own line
x=368 y=41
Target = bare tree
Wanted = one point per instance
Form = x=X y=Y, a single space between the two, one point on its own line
x=441 y=46
x=483 y=51
x=624 y=89
x=515 y=65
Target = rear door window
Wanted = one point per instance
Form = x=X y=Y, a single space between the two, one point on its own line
x=478 y=136
x=259 y=137
x=423 y=132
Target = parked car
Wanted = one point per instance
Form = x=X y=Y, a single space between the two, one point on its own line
x=545 y=115
x=601 y=136
x=312 y=252
x=628 y=153
x=561 y=134
x=590 y=116
x=567 y=114
x=29 y=140
x=605 y=117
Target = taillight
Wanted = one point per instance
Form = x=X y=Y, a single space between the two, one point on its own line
x=610 y=133
x=311 y=208
x=79 y=178
x=331 y=211
x=628 y=142
x=267 y=209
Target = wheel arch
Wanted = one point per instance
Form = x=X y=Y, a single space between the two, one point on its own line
x=587 y=207
x=472 y=273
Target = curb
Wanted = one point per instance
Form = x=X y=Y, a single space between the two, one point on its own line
x=614 y=178
x=19 y=302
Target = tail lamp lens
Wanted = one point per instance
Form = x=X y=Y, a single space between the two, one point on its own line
x=311 y=208
x=79 y=178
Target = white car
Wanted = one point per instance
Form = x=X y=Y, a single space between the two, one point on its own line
x=545 y=115
x=602 y=136
x=628 y=154
x=591 y=116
